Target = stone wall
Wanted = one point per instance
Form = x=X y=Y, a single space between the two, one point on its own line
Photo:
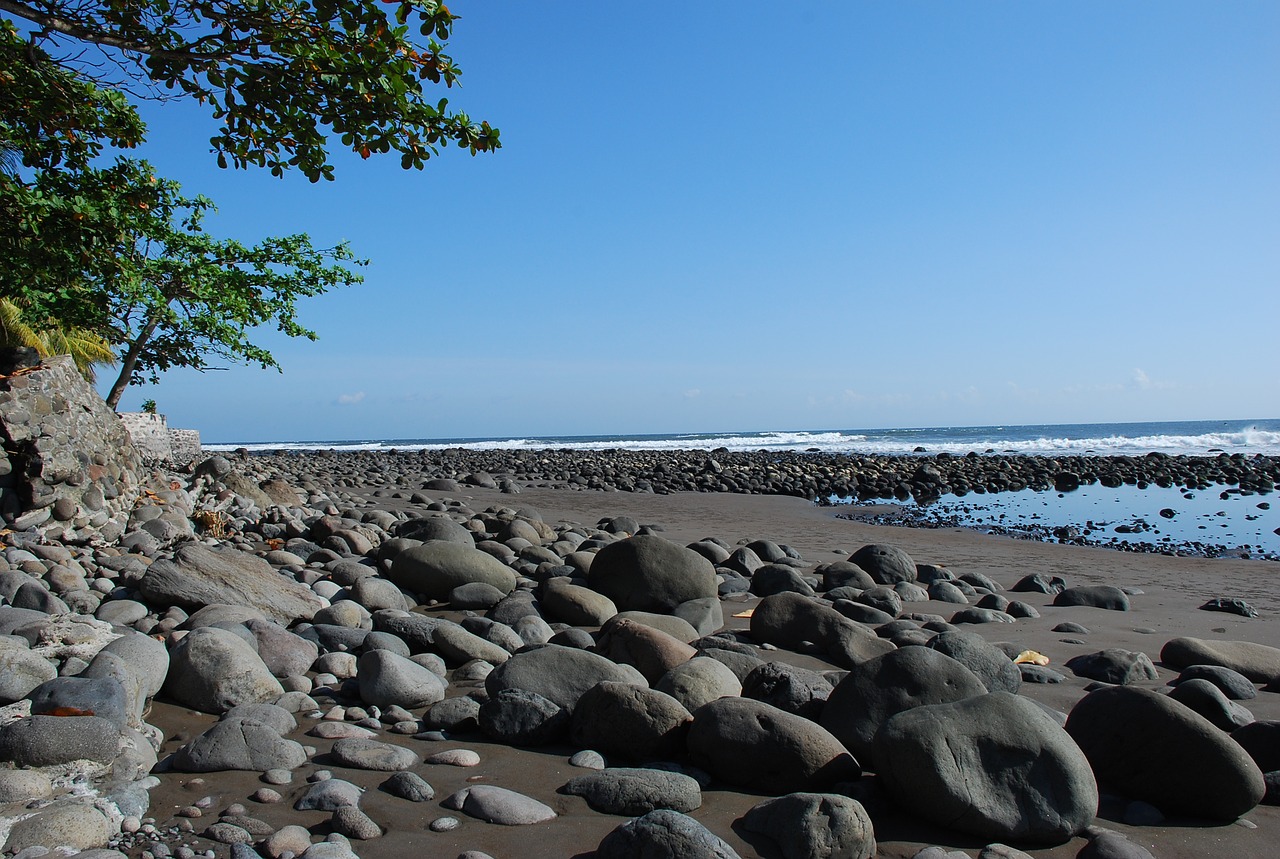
x=69 y=470
x=160 y=444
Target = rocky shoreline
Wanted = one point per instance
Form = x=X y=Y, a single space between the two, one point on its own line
x=817 y=476
x=339 y=655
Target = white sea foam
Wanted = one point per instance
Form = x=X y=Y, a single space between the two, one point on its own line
x=959 y=441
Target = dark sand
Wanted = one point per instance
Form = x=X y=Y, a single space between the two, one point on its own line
x=1174 y=589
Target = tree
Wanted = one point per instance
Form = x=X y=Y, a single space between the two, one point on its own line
x=183 y=295
x=85 y=348
x=278 y=73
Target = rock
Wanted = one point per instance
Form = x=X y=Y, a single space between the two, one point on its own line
x=651 y=651
x=78 y=826
x=24 y=785
x=329 y=795
x=1233 y=684
x=699 y=681
x=1230 y=606
x=239 y=744
x=631 y=722
x=499 y=805
x=752 y=745
x=993 y=765
x=354 y=823
x=365 y=754
x=635 y=791
x=457 y=715
x=1112 y=845
x=284 y=653
x=1258 y=662
x=457 y=646
x=410 y=786
x=1039 y=583
x=387 y=679
x=99 y=696
x=518 y=717
x=648 y=573
x=41 y=741
x=705 y=614
x=1148 y=746
x=886 y=565
x=148 y=657
x=990 y=664
x=777 y=578
x=1116 y=666
x=1094 y=596
x=435 y=528
x=434 y=569
x=789 y=620
x=1208 y=700
x=20 y=672
x=213 y=670
x=814 y=826
x=663 y=834
x=455 y=758
x=199 y=576
x=882 y=687
x=671 y=624
x=561 y=674
x=574 y=604
x=788 y=687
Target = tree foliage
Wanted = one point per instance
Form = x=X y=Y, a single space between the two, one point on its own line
x=281 y=74
x=106 y=248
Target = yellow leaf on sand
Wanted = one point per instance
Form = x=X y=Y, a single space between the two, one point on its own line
x=1030 y=656
x=746 y=613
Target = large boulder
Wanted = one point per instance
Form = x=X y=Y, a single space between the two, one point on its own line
x=882 y=687
x=41 y=741
x=1150 y=747
x=388 y=679
x=239 y=744
x=663 y=834
x=1093 y=596
x=561 y=674
x=790 y=620
x=788 y=687
x=213 y=669
x=995 y=765
x=200 y=575
x=1259 y=662
x=434 y=569
x=753 y=745
x=651 y=651
x=886 y=565
x=648 y=573
x=621 y=790
x=814 y=826
x=631 y=722
x=989 y=663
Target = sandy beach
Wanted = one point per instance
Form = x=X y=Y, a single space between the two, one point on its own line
x=1165 y=604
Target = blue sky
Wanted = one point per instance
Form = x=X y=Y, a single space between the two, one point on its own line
x=742 y=215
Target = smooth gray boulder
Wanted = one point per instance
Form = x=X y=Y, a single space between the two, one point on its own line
x=1093 y=596
x=100 y=696
x=499 y=805
x=621 y=790
x=994 y=765
x=239 y=744
x=1113 y=665
x=561 y=674
x=41 y=741
x=753 y=745
x=435 y=527
x=1208 y=700
x=790 y=620
x=213 y=670
x=699 y=681
x=663 y=834
x=1258 y=662
x=20 y=672
x=387 y=679
x=434 y=569
x=813 y=825
x=886 y=565
x=284 y=653
x=988 y=663
x=518 y=717
x=878 y=689
x=575 y=605
x=630 y=722
x=648 y=573
x=365 y=754
x=199 y=575
x=788 y=687
x=1148 y=746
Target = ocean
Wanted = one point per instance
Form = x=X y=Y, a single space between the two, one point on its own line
x=1221 y=522
x=1195 y=438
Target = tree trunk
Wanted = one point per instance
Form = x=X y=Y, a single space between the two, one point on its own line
x=130 y=361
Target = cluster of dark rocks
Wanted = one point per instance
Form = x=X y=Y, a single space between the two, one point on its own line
x=320 y=626
x=815 y=475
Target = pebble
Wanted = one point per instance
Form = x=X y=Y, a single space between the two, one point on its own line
x=277 y=776
x=266 y=795
x=588 y=759
x=444 y=824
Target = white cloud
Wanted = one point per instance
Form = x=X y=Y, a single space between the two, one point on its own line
x=1146 y=383
x=350 y=399
x=693 y=393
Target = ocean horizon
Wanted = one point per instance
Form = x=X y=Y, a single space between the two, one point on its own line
x=1191 y=438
